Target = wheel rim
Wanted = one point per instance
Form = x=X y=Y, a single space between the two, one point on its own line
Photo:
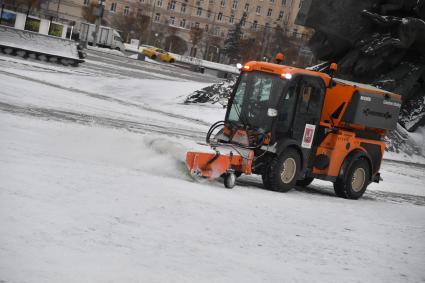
x=288 y=171
x=358 y=180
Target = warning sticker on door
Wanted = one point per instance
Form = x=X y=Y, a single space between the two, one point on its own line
x=308 y=136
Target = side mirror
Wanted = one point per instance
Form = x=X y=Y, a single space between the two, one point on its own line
x=271 y=112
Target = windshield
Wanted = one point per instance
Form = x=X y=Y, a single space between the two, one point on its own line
x=255 y=93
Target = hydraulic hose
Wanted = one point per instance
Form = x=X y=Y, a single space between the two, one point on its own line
x=212 y=128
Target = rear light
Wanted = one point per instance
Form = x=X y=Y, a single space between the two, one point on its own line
x=246 y=68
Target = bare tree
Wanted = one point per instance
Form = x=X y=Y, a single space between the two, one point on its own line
x=214 y=44
x=88 y=14
x=281 y=42
x=195 y=37
x=250 y=48
x=175 y=44
x=131 y=25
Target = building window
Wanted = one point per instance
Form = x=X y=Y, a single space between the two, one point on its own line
x=196 y=25
x=211 y=1
x=183 y=23
x=280 y=15
x=183 y=8
x=32 y=24
x=126 y=10
x=235 y=4
x=258 y=10
x=172 y=21
x=283 y=2
x=206 y=28
x=271 y=1
x=172 y=5
x=85 y=2
x=223 y=3
x=217 y=31
x=113 y=6
x=301 y=3
x=255 y=25
x=232 y=19
x=209 y=14
x=159 y=3
x=157 y=17
x=246 y=8
x=269 y=12
x=220 y=16
x=199 y=11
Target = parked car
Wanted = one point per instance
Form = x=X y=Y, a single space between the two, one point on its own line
x=154 y=53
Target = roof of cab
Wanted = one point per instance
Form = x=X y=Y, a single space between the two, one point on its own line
x=283 y=69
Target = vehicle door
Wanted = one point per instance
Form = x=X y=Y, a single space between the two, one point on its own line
x=310 y=93
x=161 y=54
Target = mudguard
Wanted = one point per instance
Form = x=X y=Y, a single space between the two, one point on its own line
x=350 y=158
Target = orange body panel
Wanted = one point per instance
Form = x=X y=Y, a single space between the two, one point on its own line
x=211 y=166
x=337 y=146
x=342 y=93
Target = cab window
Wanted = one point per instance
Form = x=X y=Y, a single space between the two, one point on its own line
x=262 y=88
x=309 y=98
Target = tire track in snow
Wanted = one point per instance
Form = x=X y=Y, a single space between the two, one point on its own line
x=108 y=98
x=68 y=116
x=165 y=69
x=370 y=195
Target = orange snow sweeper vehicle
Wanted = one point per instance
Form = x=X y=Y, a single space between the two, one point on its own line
x=292 y=125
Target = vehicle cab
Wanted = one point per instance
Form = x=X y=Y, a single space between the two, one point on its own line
x=117 y=41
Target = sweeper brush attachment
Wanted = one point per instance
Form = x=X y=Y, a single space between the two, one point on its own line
x=214 y=165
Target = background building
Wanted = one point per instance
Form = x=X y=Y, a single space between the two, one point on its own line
x=193 y=27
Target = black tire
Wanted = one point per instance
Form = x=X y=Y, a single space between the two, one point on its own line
x=273 y=178
x=172 y=61
x=229 y=180
x=354 y=183
x=305 y=182
x=153 y=57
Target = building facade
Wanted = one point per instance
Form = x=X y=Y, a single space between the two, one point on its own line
x=190 y=27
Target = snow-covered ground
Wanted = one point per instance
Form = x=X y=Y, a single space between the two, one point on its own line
x=94 y=189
